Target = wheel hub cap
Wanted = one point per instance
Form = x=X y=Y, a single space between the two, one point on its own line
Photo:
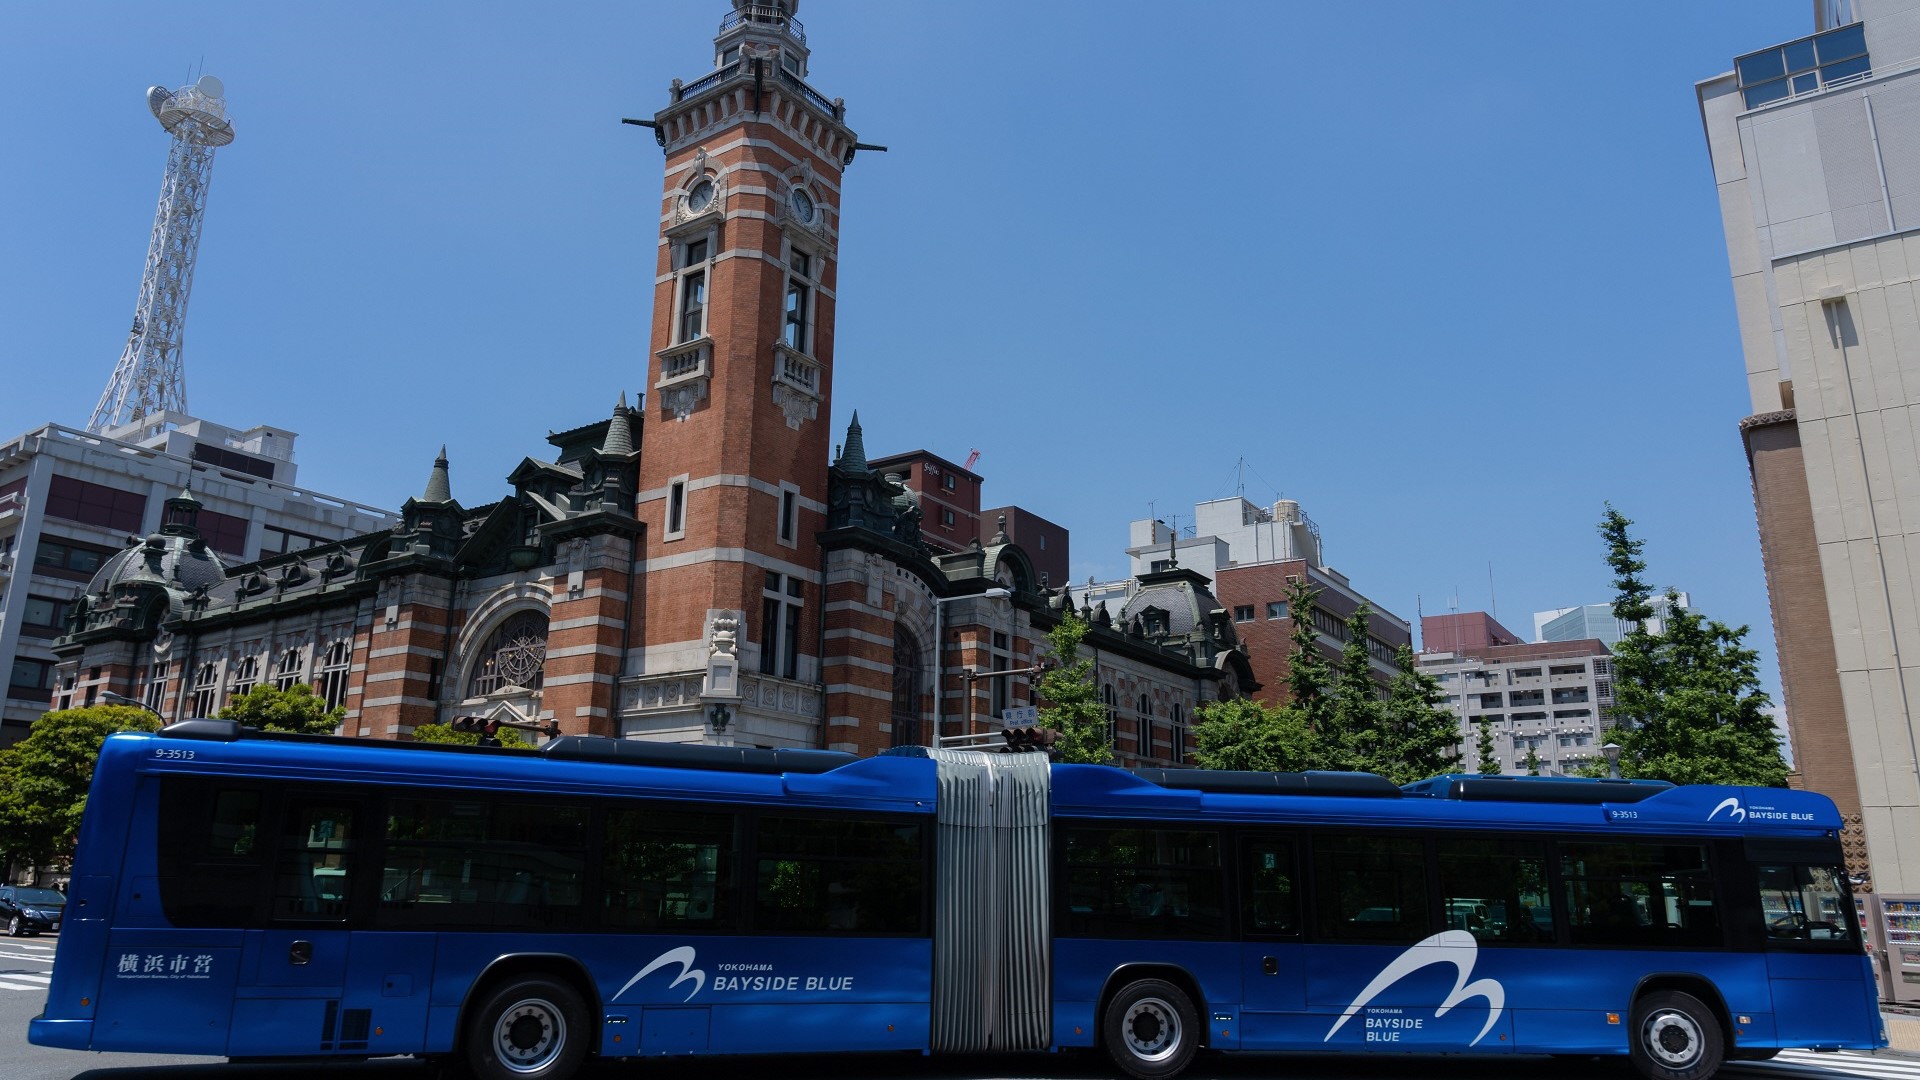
x=1152 y=1030
x=1673 y=1039
x=529 y=1036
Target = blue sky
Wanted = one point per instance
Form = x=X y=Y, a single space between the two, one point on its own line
x=1449 y=274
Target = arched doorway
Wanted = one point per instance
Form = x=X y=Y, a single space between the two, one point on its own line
x=909 y=675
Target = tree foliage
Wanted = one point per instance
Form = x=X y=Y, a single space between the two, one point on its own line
x=44 y=779
x=1688 y=706
x=295 y=709
x=1488 y=765
x=444 y=733
x=1070 y=702
x=1532 y=762
x=1343 y=722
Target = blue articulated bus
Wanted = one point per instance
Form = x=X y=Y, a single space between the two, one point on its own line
x=276 y=896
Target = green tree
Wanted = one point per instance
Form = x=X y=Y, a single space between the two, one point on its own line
x=1354 y=741
x=1532 y=761
x=444 y=733
x=1072 y=705
x=1308 y=676
x=1245 y=734
x=296 y=709
x=1489 y=765
x=1688 y=706
x=1419 y=737
x=44 y=779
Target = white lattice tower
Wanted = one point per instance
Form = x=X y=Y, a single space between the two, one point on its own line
x=150 y=377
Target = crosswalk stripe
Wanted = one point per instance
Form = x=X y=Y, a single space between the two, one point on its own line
x=5 y=985
x=22 y=976
x=1843 y=1063
x=38 y=958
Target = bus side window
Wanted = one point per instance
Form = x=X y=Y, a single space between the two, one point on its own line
x=1270 y=902
x=664 y=868
x=1637 y=894
x=846 y=875
x=1496 y=890
x=209 y=851
x=1144 y=883
x=1806 y=904
x=1369 y=888
x=312 y=871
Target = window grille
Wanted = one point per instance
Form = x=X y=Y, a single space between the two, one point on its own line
x=516 y=655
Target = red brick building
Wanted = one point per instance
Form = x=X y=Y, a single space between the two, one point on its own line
x=693 y=569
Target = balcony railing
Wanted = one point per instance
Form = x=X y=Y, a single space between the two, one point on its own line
x=684 y=362
x=813 y=97
x=762 y=13
x=796 y=369
x=707 y=81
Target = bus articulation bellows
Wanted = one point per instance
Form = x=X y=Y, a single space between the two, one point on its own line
x=260 y=896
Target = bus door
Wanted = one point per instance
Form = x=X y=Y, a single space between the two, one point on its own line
x=1814 y=959
x=1273 y=995
x=293 y=973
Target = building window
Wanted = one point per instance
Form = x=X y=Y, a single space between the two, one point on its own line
x=287 y=673
x=1001 y=660
x=1178 y=733
x=946 y=517
x=68 y=559
x=693 y=292
x=1276 y=609
x=156 y=693
x=1329 y=624
x=515 y=655
x=907 y=678
x=246 y=675
x=789 y=514
x=799 y=301
x=95 y=504
x=1243 y=613
x=949 y=482
x=225 y=533
x=676 y=509
x=782 y=600
x=32 y=679
x=1801 y=67
x=333 y=673
x=43 y=614
x=206 y=686
x=1112 y=702
x=275 y=540
x=1146 y=726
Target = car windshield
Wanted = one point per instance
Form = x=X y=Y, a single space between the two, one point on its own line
x=41 y=896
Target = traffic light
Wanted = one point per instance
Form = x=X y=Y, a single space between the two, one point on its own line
x=1023 y=739
x=488 y=730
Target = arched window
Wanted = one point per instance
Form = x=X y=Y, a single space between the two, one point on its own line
x=287 y=672
x=206 y=682
x=1112 y=702
x=908 y=669
x=515 y=655
x=246 y=675
x=1146 y=726
x=334 y=670
x=1178 y=751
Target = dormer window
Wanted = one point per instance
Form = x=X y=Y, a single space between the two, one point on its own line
x=791 y=63
x=728 y=55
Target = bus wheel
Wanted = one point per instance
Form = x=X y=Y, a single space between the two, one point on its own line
x=1151 y=1029
x=1675 y=1037
x=528 y=1029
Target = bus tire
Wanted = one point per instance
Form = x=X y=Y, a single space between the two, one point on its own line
x=1675 y=1036
x=1151 y=1029
x=529 y=1028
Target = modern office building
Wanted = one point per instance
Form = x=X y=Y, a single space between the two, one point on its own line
x=1251 y=555
x=70 y=500
x=1549 y=698
x=1596 y=622
x=1815 y=150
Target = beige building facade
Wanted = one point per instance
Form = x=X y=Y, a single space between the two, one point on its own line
x=1815 y=146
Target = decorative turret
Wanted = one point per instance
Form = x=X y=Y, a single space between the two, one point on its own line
x=430 y=524
x=439 y=488
x=182 y=516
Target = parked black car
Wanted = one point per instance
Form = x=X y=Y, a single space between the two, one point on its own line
x=29 y=911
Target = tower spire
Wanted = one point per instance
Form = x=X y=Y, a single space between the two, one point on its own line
x=150 y=377
x=439 y=488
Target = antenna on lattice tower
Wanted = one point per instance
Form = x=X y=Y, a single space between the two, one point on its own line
x=150 y=377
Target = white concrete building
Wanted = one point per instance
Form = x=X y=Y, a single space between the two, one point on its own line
x=69 y=499
x=1815 y=148
x=1551 y=698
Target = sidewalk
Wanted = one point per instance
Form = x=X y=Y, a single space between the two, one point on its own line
x=1903 y=1032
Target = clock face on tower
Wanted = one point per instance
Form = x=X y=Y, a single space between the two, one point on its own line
x=802 y=204
x=700 y=197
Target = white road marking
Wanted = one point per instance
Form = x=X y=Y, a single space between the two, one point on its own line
x=1844 y=1063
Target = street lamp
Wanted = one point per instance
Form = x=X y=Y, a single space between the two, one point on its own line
x=940 y=655
x=1612 y=750
x=121 y=699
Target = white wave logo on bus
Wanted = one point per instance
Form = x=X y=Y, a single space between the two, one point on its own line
x=1456 y=947
x=1739 y=813
x=683 y=956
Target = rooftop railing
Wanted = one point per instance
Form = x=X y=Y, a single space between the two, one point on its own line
x=762 y=13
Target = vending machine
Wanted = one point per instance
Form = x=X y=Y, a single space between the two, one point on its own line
x=1873 y=938
x=1898 y=927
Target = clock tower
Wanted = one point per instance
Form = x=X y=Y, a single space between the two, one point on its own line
x=734 y=448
